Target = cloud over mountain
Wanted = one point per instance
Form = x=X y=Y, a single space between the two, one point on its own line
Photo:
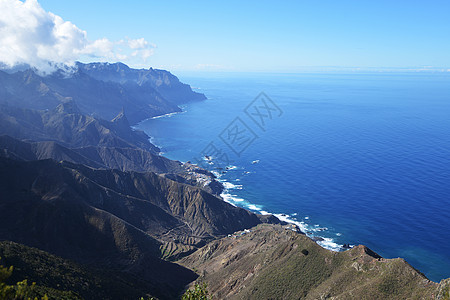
x=30 y=35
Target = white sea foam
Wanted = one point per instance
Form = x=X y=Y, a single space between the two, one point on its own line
x=229 y=186
x=231 y=167
x=217 y=174
x=152 y=141
x=254 y=207
x=227 y=198
x=235 y=198
x=286 y=219
x=320 y=229
x=167 y=115
x=328 y=243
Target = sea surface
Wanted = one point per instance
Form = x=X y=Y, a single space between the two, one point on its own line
x=351 y=158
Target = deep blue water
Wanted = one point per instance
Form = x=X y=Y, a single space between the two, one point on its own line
x=359 y=158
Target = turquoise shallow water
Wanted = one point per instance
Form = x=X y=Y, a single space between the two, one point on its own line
x=353 y=158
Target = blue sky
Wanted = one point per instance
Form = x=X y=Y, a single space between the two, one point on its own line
x=280 y=36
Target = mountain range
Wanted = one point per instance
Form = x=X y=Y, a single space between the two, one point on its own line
x=90 y=209
x=99 y=89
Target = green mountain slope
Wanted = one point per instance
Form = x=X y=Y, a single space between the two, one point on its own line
x=64 y=279
x=274 y=262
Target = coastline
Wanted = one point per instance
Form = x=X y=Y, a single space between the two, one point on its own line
x=312 y=232
x=168 y=115
x=226 y=195
x=151 y=139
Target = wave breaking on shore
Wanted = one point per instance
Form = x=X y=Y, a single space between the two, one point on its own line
x=311 y=231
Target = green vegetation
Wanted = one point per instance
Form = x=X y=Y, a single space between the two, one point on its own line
x=199 y=292
x=446 y=293
x=274 y=263
x=287 y=277
x=59 y=278
x=19 y=290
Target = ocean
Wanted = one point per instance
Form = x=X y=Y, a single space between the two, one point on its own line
x=351 y=158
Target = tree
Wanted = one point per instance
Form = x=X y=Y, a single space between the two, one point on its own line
x=21 y=290
x=199 y=292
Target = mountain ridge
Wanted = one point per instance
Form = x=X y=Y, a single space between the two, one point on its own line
x=111 y=218
x=96 y=194
x=67 y=125
x=102 y=98
x=276 y=262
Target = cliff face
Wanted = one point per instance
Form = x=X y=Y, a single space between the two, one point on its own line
x=166 y=84
x=99 y=89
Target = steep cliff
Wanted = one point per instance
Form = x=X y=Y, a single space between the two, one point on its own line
x=100 y=90
x=165 y=83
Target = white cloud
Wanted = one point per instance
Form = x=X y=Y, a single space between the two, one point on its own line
x=30 y=35
x=137 y=43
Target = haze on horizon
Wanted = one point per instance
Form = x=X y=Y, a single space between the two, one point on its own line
x=229 y=36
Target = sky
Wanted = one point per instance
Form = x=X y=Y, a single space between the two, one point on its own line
x=238 y=36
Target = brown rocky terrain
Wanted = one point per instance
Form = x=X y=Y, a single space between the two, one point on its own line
x=276 y=262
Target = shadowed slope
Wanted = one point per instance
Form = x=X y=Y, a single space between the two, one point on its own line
x=145 y=203
x=67 y=125
x=124 y=159
x=42 y=206
x=64 y=279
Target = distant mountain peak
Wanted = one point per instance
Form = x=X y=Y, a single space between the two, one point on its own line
x=68 y=107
